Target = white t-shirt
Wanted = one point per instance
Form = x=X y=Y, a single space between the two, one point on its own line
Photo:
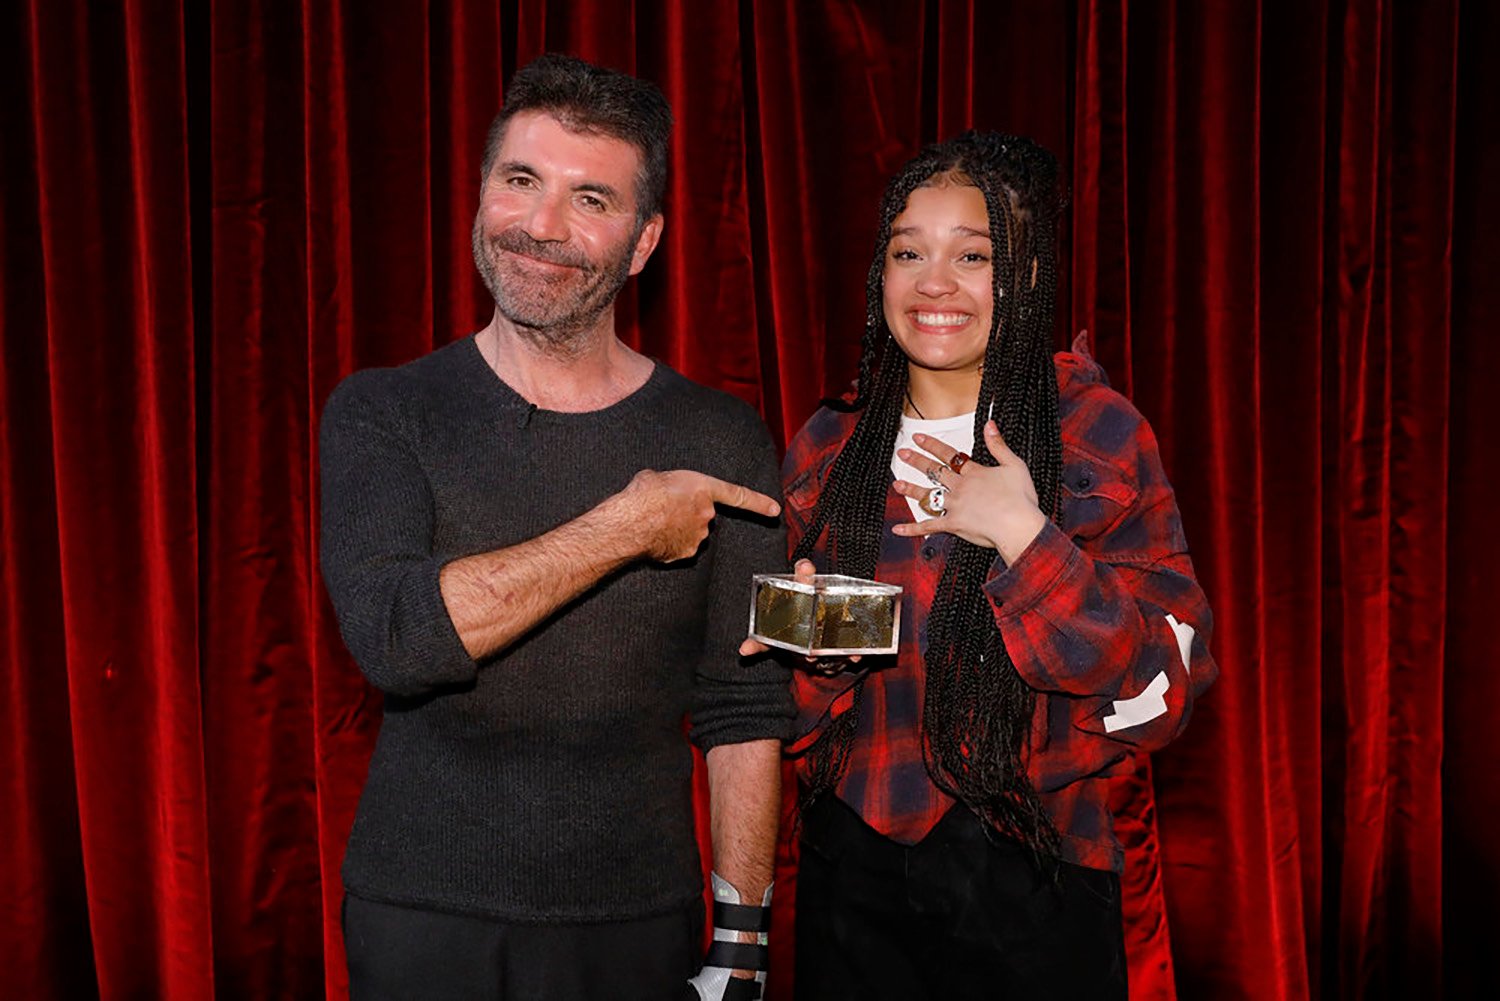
x=956 y=431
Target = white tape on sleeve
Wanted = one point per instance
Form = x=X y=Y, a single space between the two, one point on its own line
x=1185 y=634
x=1144 y=708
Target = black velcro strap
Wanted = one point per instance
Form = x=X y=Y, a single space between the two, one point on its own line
x=741 y=917
x=738 y=956
x=740 y=989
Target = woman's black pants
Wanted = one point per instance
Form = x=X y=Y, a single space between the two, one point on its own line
x=956 y=916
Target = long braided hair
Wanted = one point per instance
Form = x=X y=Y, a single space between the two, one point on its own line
x=977 y=714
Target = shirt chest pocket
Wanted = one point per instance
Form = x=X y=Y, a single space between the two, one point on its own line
x=1095 y=496
x=803 y=491
x=801 y=494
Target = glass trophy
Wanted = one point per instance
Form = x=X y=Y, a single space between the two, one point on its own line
x=826 y=615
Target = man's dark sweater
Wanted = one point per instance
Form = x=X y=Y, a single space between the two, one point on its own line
x=551 y=782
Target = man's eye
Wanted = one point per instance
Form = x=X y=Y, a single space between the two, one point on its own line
x=596 y=204
x=519 y=181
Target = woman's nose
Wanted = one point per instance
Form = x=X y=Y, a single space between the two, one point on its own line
x=936 y=279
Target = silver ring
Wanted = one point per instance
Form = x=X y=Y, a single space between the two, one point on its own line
x=935 y=503
x=935 y=476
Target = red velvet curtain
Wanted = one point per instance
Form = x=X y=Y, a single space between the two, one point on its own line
x=1280 y=238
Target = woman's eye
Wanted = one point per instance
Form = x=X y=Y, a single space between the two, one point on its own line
x=903 y=255
x=974 y=257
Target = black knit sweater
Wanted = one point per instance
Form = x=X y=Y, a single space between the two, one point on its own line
x=551 y=782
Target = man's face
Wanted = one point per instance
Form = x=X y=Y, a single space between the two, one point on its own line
x=556 y=233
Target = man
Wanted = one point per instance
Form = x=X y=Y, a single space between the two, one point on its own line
x=542 y=608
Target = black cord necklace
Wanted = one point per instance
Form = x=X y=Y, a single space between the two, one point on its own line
x=912 y=404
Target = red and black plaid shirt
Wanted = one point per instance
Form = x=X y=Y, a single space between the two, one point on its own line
x=1101 y=615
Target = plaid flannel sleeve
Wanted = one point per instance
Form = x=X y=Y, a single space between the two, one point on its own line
x=1105 y=608
x=819 y=699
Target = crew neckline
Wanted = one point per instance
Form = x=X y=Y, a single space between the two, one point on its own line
x=505 y=394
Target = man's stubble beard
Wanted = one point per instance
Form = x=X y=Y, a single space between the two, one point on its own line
x=551 y=313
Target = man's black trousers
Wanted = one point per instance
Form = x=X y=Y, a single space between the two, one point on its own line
x=405 y=953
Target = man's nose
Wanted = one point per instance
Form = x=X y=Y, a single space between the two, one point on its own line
x=547 y=221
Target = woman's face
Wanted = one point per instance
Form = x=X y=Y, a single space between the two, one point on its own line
x=938 y=297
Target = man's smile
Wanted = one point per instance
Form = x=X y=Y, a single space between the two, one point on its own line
x=540 y=262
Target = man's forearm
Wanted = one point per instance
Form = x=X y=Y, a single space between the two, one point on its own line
x=495 y=598
x=744 y=783
x=744 y=787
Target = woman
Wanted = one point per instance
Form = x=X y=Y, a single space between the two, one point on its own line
x=956 y=835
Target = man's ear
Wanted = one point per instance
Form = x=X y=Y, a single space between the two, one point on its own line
x=646 y=243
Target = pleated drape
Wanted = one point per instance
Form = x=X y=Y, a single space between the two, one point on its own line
x=1280 y=238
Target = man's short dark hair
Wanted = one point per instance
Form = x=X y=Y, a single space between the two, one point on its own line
x=587 y=98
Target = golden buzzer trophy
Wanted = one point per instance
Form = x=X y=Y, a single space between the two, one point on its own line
x=825 y=615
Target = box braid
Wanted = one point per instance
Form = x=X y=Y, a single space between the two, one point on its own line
x=977 y=713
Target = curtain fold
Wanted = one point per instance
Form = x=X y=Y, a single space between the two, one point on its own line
x=107 y=174
x=1279 y=238
x=45 y=936
x=1471 y=685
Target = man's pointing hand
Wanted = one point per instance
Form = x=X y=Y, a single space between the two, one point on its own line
x=669 y=513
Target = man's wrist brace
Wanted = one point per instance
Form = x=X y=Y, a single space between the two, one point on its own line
x=727 y=952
